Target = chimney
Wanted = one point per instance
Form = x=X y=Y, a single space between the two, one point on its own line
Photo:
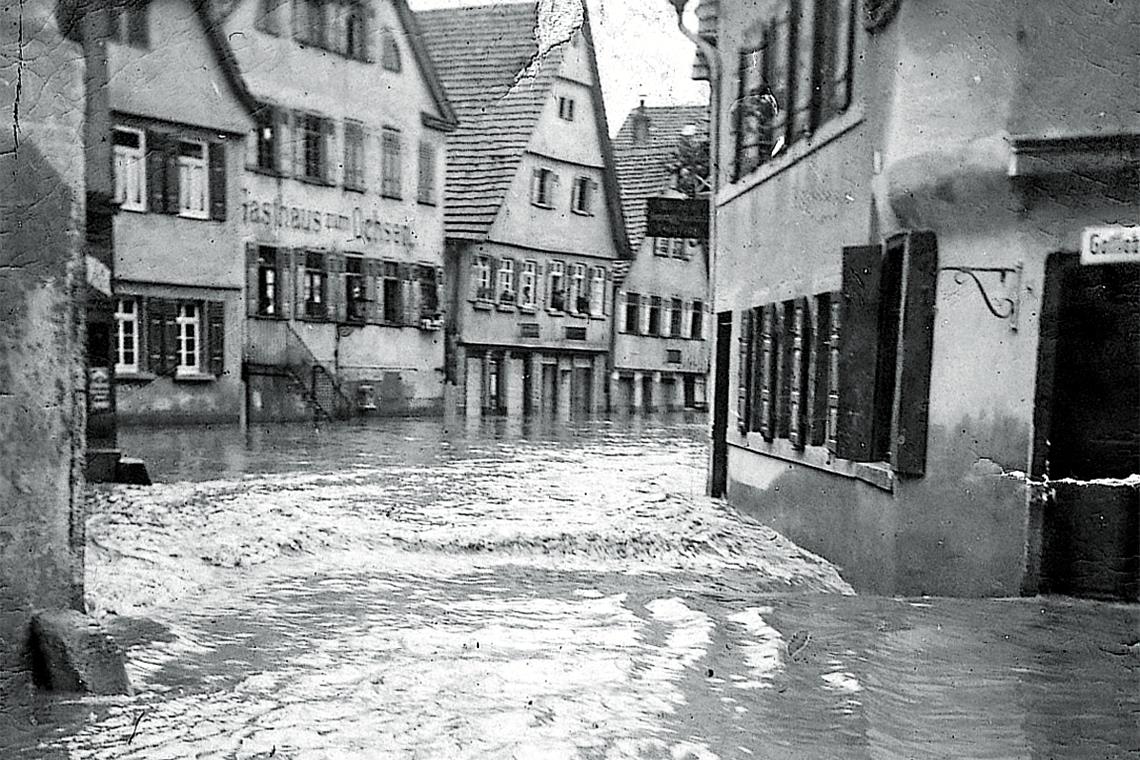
x=640 y=125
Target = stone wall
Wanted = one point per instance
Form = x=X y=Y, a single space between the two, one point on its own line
x=42 y=278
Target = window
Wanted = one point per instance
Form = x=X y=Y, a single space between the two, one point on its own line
x=355 y=299
x=760 y=106
x=579 y=299
x=353 y=155
x=312 y=26
x=429 y=292
x=557 y=286
x=193 y=184
x=632 y=318
x=129 y=148
x=316 y=306
x=389 y=50
x=680 y=251
x=542 y=188
x=313 y=134
x=268 y=16
x=189 y=327
x=676 y=315
x=267 y=289
x=529 y=330
x=393 y=294
x=582 y=195
x=598 y=291
x=267 y=138
x=506 y=284
x=390 y=184
x=661 y=246
x=831 y=60
x=481 y=276
x=575 y=332
x=128 y=23
x=653 y=316
x=126 y=336
x=355 y=31
x=673 y=356
x=426 y=192
x=696 y=324
x=527 y=283
x=565 y=108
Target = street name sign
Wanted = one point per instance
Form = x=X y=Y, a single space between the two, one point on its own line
x=1110 y=245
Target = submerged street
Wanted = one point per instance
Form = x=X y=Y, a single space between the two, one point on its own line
x=537 y=590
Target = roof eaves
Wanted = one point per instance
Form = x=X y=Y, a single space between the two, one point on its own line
x=424 y=61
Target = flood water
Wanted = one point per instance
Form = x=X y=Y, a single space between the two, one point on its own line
x=412 y=589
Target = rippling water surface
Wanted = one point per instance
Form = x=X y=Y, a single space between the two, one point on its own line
x=414 y=590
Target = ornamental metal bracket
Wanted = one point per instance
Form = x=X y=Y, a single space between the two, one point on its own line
x=1007 y=306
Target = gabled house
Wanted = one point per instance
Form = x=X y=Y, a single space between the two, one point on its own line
x=179 y=115
x=341 y=211
x=660 y=358
x=532 y=213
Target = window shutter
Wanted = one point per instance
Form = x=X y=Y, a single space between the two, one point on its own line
x=334 y=268
x=298 y=268
x=766 y=382
x=803 y=36
x=251 y=277
x=216 y=335
x=156 y=356
x=170 y=337
x=844 y=43
x=608 y=292
x=858 y=352
x=297 y=8
x=415 y=286
x=408 y=294
x=329 y=151
x=744 y=371
x=286 y=279
x=817 y=373
x=282 y=135
x=296 y=144
x=372 y=311
x=836 y=307
x=916 y=343
x=535 y=184
x=138 y=33
x=156 y=171
x=216 y=153
x=367 y=32
x=801 y=353
x=171 y=174
x=473 y=276
x=539 y=284
x=785 y=315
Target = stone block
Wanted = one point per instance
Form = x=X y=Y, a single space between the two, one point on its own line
x=72 y=653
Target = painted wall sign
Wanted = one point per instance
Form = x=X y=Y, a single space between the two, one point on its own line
x=1110 y=245
x=98 y=390
x=357 y=225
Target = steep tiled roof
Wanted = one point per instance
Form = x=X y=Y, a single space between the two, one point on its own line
x=486 y=57
x=642 y=165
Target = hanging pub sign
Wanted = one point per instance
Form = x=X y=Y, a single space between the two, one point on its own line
x=1110 y=245
x=677 y=218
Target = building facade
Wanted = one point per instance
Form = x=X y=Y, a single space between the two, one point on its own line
x=917 y=375
x=341 y=211
x=179 y=115
x=660 y=355
x=533 y=221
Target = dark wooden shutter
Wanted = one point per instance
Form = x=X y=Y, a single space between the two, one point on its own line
x=171 y=174
x=217 y=158
x=156 y=171
x=916 y=343
x=844 y=50
x=138 y=32
x=798 y=408
x=328 y=151
x=216 y=336
x=744 y=371
x=155 y=335
x=337 y=303
x=819 y=363
x=785 y=312
x=371 y=272
x=766 y=382
x=473 y=278
x=285 y=282
x=252 y=289
x=170 y=337
x=836 y=308
x=858 y=352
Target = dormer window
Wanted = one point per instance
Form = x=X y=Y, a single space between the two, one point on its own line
x=389 y=50
x=565 y=108
x=542 y=188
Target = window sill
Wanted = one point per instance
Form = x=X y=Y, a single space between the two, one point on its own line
x=581 y=213
x=423 y=202
x=482 y=305
x=876 y=474
x=276 y=173
x=355 y=189
x=547 y=206
x=505 y=306
x=527 y=309
x=268 y=317
x=315 y=181
x=195 y=217
x=133 y=209
x=135 y=377
x=555 y=312
x=391 y=196
x=193 y=377
x=796 y=152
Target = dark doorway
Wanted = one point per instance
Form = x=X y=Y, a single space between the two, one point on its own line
x=718 y=474
x=1089 y=409
x=581 y=389
x=549 y=388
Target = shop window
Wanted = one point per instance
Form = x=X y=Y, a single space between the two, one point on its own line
x=426 y=192
x=578 y=299
x=391 y=163
x=527 y=283
x=632 y=322
x=557 y=286
x=653 y=316
x=506 y=281
x=126 y=336
x=393 y=294
x=129 y=23
x=267 y=282
x=676 y=315
x=313 y=286
x=389 y=51
x=598 y=292
x=355 y=299
x=542 y=187
x=696 y=323
x=129 y=149
x=354 y=155
x=193 y=185
x=565 y=108
x=582 y=195
x=481 y=279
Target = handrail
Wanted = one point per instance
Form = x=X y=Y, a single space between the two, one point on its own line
x=297 y=352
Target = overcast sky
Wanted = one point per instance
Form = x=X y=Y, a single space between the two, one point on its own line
x=640 y=51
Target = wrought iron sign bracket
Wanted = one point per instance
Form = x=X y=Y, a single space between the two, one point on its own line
x=1006 y=306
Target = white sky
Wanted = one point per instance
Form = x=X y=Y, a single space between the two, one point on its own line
x=640 y=51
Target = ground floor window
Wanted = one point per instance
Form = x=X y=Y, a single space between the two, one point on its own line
x=189 y=327
x=169 y=337
x=126 y=336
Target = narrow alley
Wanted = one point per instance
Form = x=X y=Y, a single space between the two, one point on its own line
x=502 y=589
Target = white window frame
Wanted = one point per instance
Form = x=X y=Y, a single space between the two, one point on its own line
x=557 y=270
x=505 y=282
x=189 y=326
x=528 y=282
x=577 y=281
x=483 y=276
x=194 y=181
x=130 y=172
x=598 y=292
x=126 y=316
